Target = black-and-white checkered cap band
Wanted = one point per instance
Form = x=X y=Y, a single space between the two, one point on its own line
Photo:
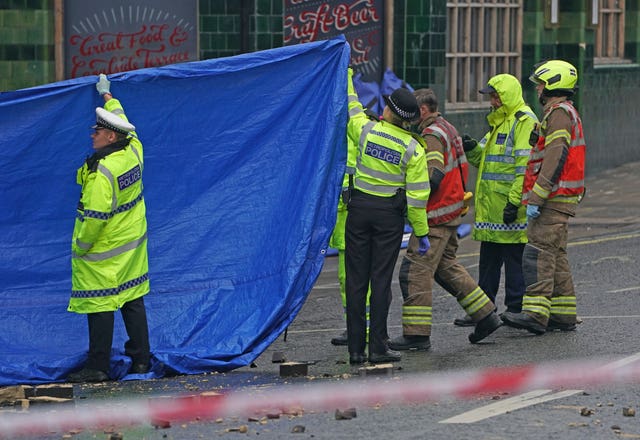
x=110 y=121
x=403 y=103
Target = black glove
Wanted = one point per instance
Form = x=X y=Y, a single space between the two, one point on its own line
x=533 y=136
x=510 y=213
x=468 y=143
x=435 y=179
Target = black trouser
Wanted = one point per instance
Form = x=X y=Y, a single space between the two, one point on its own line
x=372 y=242
x=492 y=257
x=134 y=316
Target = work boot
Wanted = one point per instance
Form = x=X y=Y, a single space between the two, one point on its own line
x=563 y=327
x=410 y=342
x=87 y=375
x=357 y=358
x=464 y=322
x=485 y=327
x=387 y=356
x=340 y=340
x=139 y=369
x=523 y=321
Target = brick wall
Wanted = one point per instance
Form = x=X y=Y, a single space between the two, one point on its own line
x=232 y=27
x=26 y=43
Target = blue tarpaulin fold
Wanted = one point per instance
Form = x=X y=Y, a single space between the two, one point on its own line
x=244 y=158
x=371 y=93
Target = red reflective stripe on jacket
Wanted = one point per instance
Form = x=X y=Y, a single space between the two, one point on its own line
x=445 y=204
x=571 y=180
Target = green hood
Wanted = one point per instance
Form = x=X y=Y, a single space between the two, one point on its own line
x=510 y=91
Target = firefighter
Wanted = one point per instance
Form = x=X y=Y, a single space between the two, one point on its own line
x=386 y=178
x=109 y=245
x=553 y=187
x=500 y=219
x=448 y=169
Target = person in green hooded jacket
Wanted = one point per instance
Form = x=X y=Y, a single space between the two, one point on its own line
x=501 y=157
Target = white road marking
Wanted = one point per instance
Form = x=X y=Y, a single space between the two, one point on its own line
x=627 y=289
x=327 y=286
x=610 y=317
x=615 y=259
x=527 y=399
x=505 y=406
x=624 y=361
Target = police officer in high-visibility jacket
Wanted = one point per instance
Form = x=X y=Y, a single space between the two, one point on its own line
x=500 y=220
x=386 y=178
x=448 y=170
x=109 y=245
x=336 y=241
x=553 y=187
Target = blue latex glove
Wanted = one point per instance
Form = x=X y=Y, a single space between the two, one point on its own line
x=533 y=211
x=423 y=245
x=103 y=84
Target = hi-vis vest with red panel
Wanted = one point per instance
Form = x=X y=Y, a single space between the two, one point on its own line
x=570 y=185
x=446 y=203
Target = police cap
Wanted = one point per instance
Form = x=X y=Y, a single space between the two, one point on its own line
x=110 y=121
x=403 y=103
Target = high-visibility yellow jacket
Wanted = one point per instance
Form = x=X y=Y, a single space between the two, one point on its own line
x=109 y=263
x=384 y=158
x=501 y=157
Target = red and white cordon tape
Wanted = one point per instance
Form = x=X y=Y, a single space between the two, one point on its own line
x=316 y=396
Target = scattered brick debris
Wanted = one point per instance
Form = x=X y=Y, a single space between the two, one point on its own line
x=242 y=429
x=586 y=412
x=289 y=369
x=298 y=429
x=347 y=414
x=161 y=424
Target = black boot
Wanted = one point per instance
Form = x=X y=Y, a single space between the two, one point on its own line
x=87 y=375
x=357 y=358
x=410 y=342
x=464 y=322
x=562 y=326
x=340 y=340
x=387 y=356
x=485 y=327
x=139 y=369
x=523 y=321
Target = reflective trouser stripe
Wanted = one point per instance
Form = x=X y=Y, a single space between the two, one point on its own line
x=563 y=305
x=416 y=315
x=474 y=301
x=539 y=305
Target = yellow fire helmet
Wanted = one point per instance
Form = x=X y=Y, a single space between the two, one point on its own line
x=556 y=75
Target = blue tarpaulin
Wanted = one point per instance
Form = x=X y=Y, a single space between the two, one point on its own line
x=370 y=93
x=244 y=158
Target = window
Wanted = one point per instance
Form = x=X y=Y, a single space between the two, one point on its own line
x=484 y=39
x=609 y=40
